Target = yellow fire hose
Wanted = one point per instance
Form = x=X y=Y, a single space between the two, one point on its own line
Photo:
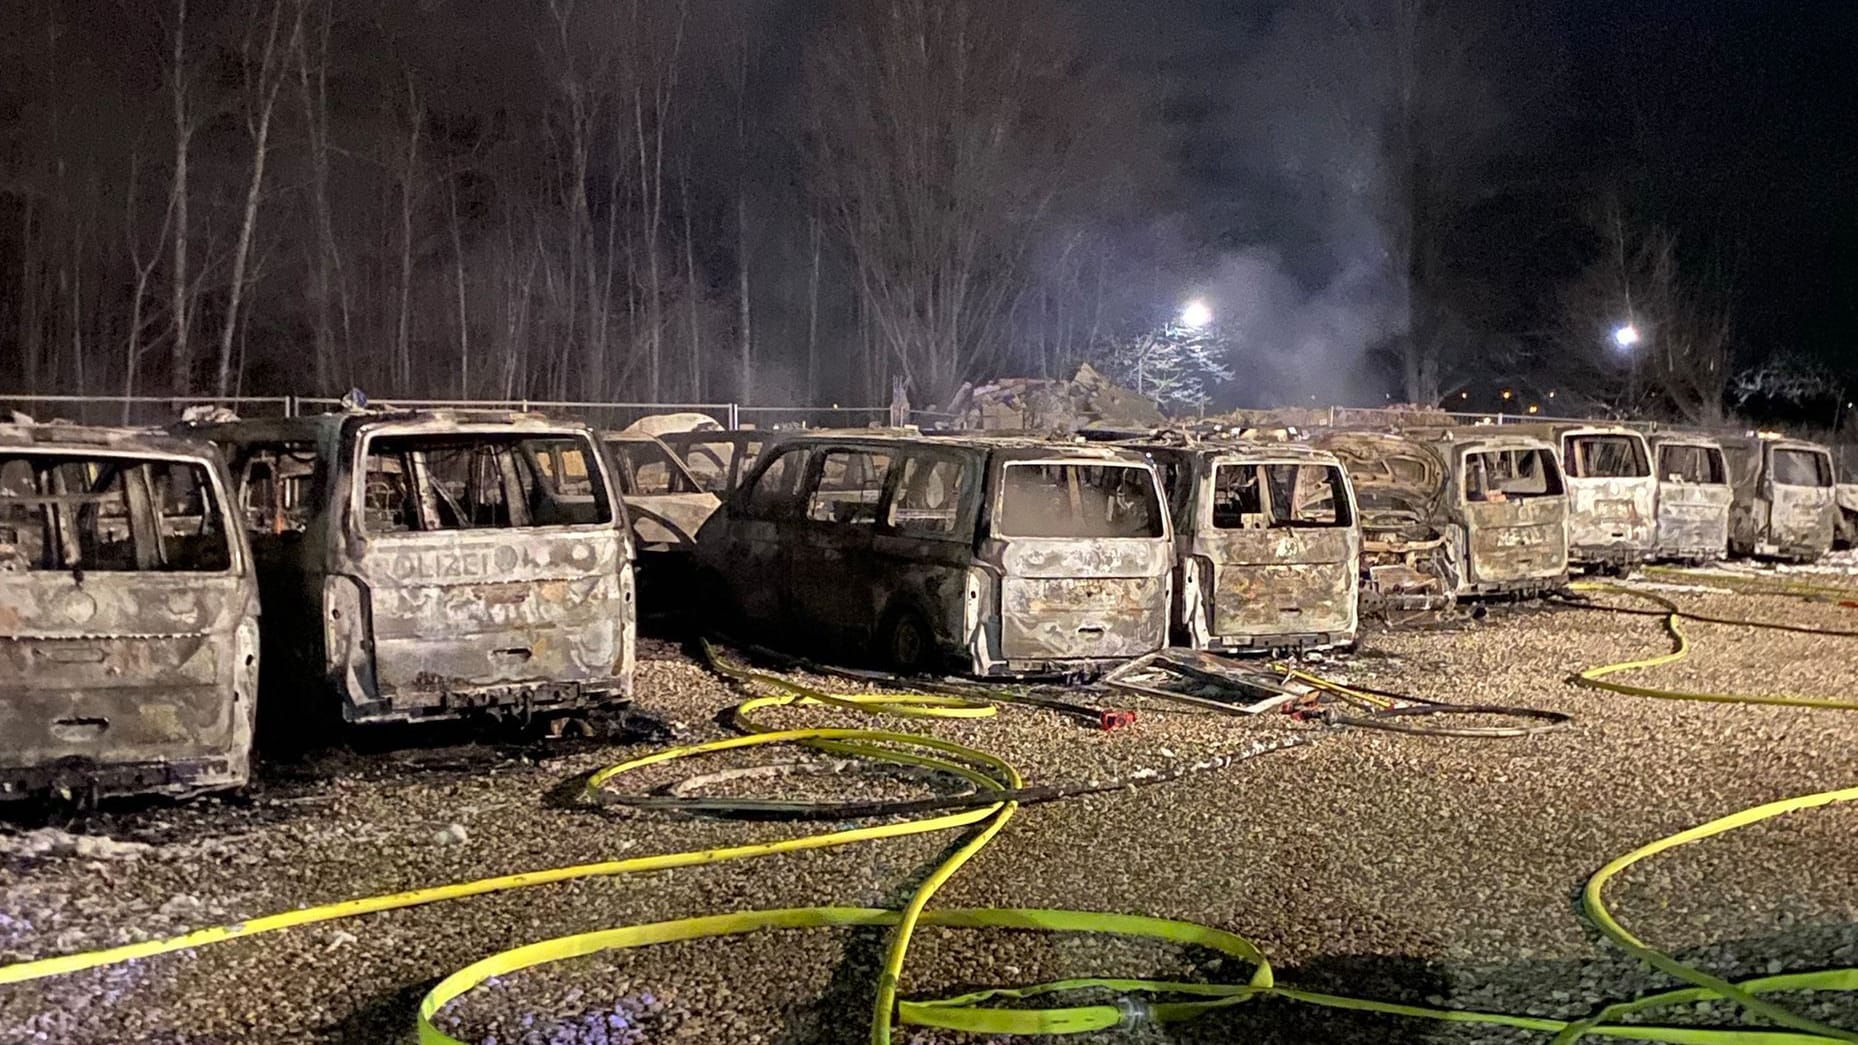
x=1599 y=677
x=1754 y=584
x=971 y=1012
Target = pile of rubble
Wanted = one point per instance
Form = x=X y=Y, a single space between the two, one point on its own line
x=1045 y=405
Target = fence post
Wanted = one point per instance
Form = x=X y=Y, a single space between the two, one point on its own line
x=290 y=406
x=735 y=416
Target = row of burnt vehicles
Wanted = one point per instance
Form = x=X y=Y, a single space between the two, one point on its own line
x=416 y=566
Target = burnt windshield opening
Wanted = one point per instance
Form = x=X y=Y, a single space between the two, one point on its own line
x=647 y=469
x=1606 y=457
x=68 y=512
x=1691 y=464
x=1079 y=500
x=1801 y=468
x=1510 y=475
x=475 y=481
x=1269 y=496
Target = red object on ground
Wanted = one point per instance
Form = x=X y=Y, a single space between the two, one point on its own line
x=1109 y=720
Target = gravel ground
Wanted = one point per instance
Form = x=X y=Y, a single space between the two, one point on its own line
x=1371 y=863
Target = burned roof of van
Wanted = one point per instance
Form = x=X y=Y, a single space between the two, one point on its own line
x=1557 y=429
x=100 y=437
x=1246 y=449
x=1502 y=436
x=311 y=427
x=1013 y=444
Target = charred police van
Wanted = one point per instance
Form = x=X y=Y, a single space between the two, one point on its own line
x=128 y=616
x=420 y=565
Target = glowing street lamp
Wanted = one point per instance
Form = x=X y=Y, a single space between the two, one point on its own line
x=1625 y=336
x=1196 y=315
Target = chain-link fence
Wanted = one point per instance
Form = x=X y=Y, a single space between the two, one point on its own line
x=136 y=410
x=159 y=410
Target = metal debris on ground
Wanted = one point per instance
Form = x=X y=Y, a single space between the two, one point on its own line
x=1203 y=679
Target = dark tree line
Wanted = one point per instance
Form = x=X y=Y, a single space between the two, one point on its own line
x=624 y=199
x=807 y=201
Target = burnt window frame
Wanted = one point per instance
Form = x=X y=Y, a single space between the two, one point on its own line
x=1546 y=454
x=1822 y=467
x=1713 y=454
x=816 y=473
x=143 y=489
x=996 y=498
x=1338 y=480
x=514 y=456
x=742 y=502
x=733 y=471
x=1641 y=454
x=619 y=448
x=967 y=502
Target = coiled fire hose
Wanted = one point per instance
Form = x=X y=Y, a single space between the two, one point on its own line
x=1600 y=677
x=1139 y=1000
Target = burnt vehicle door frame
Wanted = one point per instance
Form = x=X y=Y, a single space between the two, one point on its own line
x=1591 y=539
x=1265 y=552
x=289 y=566
x=831 y=571
x=922 y=571
x=734 y=471
x=1469 y=517
x=407 y=562
x=1775 y=500
x=1692 y=518
x=105 y=654
x=754 y=559
x=995 y=554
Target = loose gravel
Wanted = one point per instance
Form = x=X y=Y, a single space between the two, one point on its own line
x=1413 y=868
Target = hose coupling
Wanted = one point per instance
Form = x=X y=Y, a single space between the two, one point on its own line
x=1135 y=1011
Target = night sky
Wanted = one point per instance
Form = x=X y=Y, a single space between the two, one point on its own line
x=1734 y=123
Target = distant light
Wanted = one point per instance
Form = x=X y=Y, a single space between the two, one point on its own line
x=1464 y=395
x=1551 y=395
x=1533 y=408
x=1196 y=314
x=1626 y=336
x=1508 y=394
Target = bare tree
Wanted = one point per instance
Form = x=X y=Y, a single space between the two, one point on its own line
x=263 y=83
x=1640 y=332
x=183 y=357
x=330 y=288
x=942 y=133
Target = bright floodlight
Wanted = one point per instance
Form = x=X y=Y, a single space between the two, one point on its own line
x=1196 y=314
x=1626 y=336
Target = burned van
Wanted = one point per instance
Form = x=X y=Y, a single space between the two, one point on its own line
x=1694 y=498
x=1785 y=504
x=1612 y=494
x=1400 y=487
x=430 y=564
x=1267 y=552
x=128 y=616
x=1507 y=511
x=999 y=556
